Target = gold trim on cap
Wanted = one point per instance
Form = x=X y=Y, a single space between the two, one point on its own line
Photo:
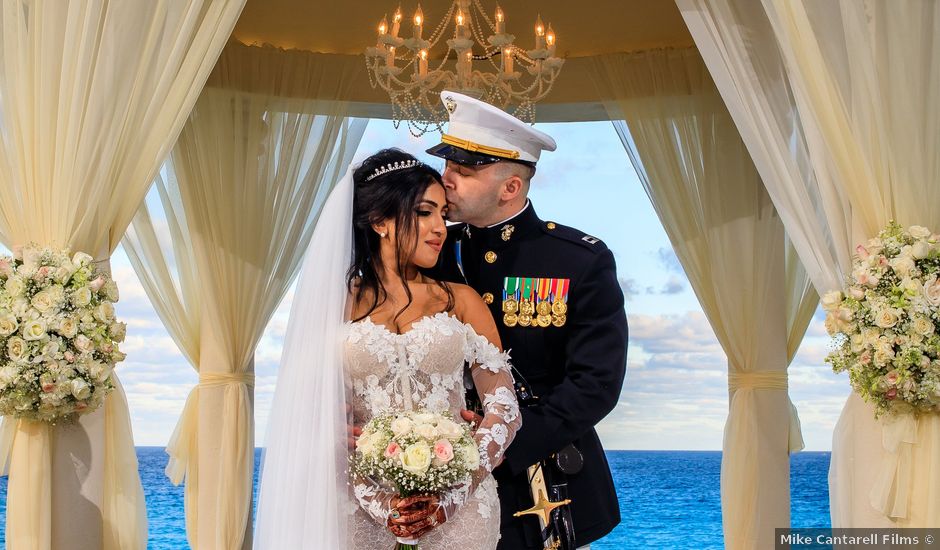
x=478 y=148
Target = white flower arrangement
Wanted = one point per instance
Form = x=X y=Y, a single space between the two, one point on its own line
x=416 y=452
x=885 y=323
x=58 y=335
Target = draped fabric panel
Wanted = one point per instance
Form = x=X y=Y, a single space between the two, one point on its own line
x=835 y=102
x=92 y=97
x=240 y=197
x=731 y=243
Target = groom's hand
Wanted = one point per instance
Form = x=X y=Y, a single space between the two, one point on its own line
x=352 y=434
x=471 y=417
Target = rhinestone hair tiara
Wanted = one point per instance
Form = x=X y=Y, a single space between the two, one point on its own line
x=391 y=167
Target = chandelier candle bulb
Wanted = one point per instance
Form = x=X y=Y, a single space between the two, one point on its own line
x=539 y=33
x=500 y=20
x=507 y=61
x=396 y=22
x=390 y=56
x=423 y=63
x=419 y=22
x=550 y=40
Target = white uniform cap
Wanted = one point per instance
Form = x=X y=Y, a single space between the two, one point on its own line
x=479 y=133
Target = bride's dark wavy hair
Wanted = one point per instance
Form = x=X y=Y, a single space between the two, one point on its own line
x=393 y=195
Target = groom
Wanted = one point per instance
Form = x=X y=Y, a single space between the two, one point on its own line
x=554 y=294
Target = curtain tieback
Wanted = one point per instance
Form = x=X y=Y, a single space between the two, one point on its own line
x=760 y=380
x=215 y=379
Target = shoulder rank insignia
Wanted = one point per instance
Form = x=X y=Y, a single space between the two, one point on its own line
x=535 y=302
x=589 y=239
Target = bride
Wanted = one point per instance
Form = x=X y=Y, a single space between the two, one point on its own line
x=369 y=333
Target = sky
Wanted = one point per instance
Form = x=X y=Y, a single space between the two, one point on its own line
x=675 y=393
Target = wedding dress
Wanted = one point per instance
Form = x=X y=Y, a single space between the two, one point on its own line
x=423 y=368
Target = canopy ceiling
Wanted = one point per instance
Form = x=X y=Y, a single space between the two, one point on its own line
x=344 y=30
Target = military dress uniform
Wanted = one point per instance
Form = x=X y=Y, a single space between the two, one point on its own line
x=554 y=294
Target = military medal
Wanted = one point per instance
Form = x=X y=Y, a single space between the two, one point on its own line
x=526 y=307
x=510 y=302
x=525 y=320
x=559 y=320
x=510 y=319
x=544 y=320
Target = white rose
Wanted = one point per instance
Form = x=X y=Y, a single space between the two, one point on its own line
x=932 y=290
x=845 y=314
x=111 y=291
x=471 y=456
x=81 y=297
x=20 y=306
x=118 y=331
x=80 y=389
x=16 y=348
x=31 y=257
x=426 y=431
x=117 y=356
x=920 y=250
x=902 y=265
x=64 y=272
x=831 y=300
x=886 y=318
x=7 y=375
x=81 y=259
x=401 y=426
x=923 y=326
x=424 y=418
x=449 y=429
x=83 y=344
x=416 y=458
x=8 y=323
x=43 y=301
x=918 y=232
x=856 y=292
x=68 y=327
x=99 y=371
x=33 y=329
x=50 y=350
x=15 y=286
x=105 y=312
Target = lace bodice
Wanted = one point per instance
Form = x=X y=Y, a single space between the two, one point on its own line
x=423 y=368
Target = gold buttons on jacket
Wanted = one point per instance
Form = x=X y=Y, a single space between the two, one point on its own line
x=488 y=298
x=490 y=257
x=550 y=225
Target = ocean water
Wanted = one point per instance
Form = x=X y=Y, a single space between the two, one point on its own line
x=668 y=499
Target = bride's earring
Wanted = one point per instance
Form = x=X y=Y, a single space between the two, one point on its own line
x=382 y=235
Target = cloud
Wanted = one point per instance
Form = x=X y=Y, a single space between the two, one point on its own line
x=668 y=259
x=629 y=288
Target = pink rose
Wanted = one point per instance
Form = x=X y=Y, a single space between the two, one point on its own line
x=882 y=261
x=42 y=272
x=69 y=356
x=862 y=252
x=892 y=378
x=48 y=388
x=891 y=393
x=865 y=358
x=81 y=406
x=443 y=451
x=392 y=450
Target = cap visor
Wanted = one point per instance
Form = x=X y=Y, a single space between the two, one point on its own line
x=461 y=156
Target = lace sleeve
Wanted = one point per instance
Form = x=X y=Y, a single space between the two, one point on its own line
x=501 y=418
x=375 y=500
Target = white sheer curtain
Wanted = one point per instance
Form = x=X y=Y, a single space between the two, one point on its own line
x=732 y=246
x=242 y=192
x=836 y=102
x=92 y=97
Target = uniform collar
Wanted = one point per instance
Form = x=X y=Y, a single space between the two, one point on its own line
x=525 y=223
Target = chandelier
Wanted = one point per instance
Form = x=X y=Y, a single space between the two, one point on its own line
x=510 y=75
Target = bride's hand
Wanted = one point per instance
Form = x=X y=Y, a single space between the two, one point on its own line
x=416 y=515
x=471 y=417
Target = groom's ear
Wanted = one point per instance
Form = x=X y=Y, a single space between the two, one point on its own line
x=513 y=186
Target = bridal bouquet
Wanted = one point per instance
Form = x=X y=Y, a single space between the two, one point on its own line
x=886 y=322
x=58 y=334
x=415 y=452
